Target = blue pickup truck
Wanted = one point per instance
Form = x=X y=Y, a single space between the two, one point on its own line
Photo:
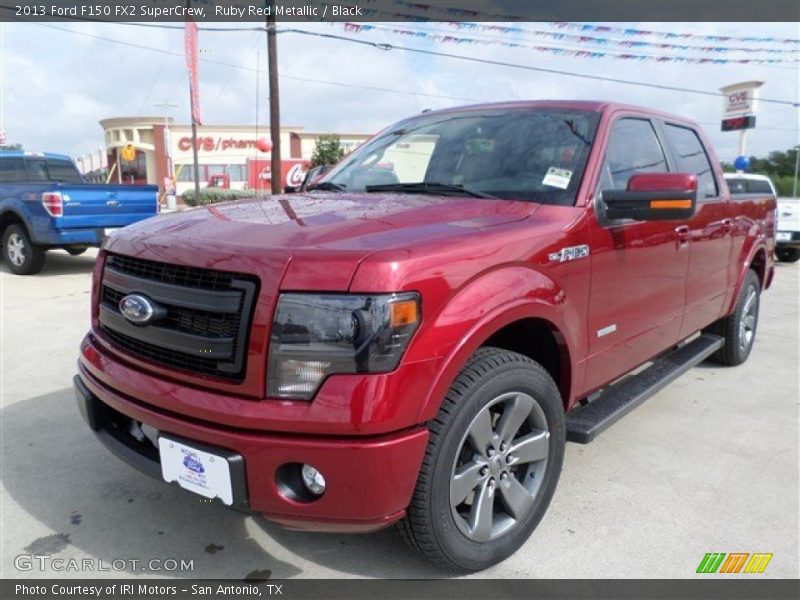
x=45 y=204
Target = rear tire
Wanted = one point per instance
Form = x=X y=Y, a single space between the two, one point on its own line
x=788 y=255
x=492 y=464
x=21 y=255
x=739 y=328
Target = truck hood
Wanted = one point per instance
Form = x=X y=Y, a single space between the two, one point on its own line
x=340 y=229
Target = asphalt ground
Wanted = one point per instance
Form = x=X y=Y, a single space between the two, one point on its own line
x=710 y=464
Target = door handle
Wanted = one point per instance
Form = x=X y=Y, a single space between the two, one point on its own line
x=727 y=225
x=682 y=236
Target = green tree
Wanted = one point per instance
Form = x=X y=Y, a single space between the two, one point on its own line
x=778 y=166
x=328 y=150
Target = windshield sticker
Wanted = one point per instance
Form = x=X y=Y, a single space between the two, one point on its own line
x=557 y=178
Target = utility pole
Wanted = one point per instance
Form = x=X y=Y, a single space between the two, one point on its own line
x=274 y=105
x=796 y=169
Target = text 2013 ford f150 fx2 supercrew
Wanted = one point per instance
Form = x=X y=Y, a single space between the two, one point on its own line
x=415 y=339
x=46 y=204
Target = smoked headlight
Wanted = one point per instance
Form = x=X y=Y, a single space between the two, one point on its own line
x=316 y=335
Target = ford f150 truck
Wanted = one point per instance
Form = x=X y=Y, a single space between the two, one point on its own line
x=414 y=339
x=44 y=204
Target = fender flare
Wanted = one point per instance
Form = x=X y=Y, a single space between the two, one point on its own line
x=548 y=308
x=758 y=246
x=10 y=208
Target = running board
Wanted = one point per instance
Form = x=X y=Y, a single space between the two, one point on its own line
x=616 y=401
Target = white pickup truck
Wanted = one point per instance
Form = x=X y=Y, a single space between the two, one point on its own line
x=787 y=238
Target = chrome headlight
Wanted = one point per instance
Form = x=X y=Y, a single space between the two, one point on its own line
x=316 y=335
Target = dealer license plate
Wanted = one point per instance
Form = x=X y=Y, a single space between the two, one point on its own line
x=784 y=236
x=196 y=470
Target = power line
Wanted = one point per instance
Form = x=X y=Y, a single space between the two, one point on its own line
x=387 y=47
x=251 y=69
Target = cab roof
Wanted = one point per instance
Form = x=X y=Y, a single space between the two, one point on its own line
x=598 y=106
x=24 y=153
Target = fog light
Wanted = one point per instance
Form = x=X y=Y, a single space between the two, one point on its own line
x=313 y=480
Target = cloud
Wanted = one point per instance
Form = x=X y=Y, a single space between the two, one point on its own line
x=72 y=80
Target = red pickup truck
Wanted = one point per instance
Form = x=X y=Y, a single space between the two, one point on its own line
x=415 y=338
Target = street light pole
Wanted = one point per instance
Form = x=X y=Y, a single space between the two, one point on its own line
x=274 y=106
x=171 y=203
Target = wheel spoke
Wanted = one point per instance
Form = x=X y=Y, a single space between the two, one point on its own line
x=480 y=433
x=514 y=416
x=481 y=516
x=466 y=479
x=515 y=497
x=531 y=448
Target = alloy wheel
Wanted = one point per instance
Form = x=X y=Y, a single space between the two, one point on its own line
x=499 y=467
x=747 y=325
x=15 y=246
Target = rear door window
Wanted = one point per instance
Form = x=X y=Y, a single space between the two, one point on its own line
x=12 y=169
x=632 y=148
x=692 y=158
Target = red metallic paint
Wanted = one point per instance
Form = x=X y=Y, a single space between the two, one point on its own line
x=478 y=265
x=367 y=479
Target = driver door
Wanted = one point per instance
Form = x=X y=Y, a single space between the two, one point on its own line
x=638 y=278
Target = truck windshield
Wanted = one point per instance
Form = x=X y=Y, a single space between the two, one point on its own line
x=51 y=169
x=528 y=154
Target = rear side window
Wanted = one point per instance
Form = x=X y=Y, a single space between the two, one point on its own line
x=52 y=169
x=36 y=170
x=758 y=186
x=63 y=171
x=12 y=169
x=692 y=158
x=632 y=148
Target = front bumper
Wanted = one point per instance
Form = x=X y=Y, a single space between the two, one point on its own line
x=370 y=480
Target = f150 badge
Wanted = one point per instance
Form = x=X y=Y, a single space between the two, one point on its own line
x=569 y=253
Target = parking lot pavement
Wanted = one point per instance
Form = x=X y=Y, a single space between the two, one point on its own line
x=708 y=465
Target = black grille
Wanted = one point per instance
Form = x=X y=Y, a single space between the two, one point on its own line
x=198 y=322
x=167 y=358
x=175 y=274
x=204 y=316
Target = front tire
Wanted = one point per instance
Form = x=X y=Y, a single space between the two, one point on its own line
x=739 y=328
x=788 y=255
x=492 y=464
x=21 y=255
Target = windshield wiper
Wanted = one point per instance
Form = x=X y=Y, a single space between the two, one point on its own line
x=426 y=187
x=326 y=186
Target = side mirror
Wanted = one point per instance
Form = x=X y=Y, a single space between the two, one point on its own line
x=653 y=197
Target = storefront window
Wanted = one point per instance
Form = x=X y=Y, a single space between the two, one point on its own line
x=237 y=173
x=234 y=172
x=135 y=170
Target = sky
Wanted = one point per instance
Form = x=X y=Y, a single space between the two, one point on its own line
x=60 y=79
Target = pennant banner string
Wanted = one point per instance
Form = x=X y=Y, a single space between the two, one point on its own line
x=555 y=51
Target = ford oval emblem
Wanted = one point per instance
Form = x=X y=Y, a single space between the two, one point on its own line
x=138 y=309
